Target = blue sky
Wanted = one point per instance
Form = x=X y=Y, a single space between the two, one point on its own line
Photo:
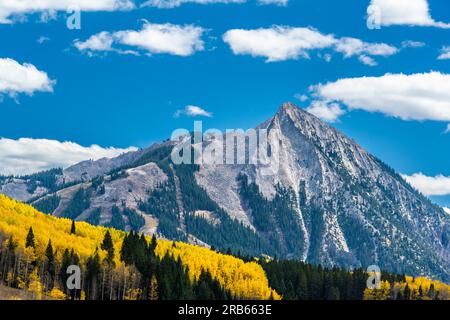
x=110 y=98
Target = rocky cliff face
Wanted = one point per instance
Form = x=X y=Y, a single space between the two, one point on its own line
x=352 y=209
x=329 y=202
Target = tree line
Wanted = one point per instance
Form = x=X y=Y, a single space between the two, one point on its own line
x=142 y=275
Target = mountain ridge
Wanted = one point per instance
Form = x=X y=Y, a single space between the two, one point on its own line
x=331 y=202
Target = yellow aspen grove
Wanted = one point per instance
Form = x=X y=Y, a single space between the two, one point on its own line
x=243 y=280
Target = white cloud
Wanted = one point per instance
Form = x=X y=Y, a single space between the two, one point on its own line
x=367 y=60
x=352 y=46
x=276 y=2
x=301 y=97
x=445 y=53
x=101 y=41
x=327 y=112
x=277 y=43
x=422 y=96
x=25 y=155
x=152 y=39
x=413 y=44
x=169 y=4
x=447 y=210
x=42 y=39
x=429 y=186
x=280 y=43
x=193 y=111
x=48 y=8
x=18 y=78
x=405 y=12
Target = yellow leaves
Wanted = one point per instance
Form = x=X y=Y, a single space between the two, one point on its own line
x=133 y=294
x=383 y=293
x=35 y=286
x=16 y=218
x=415 y=284
x=57 y=294
x=419 y=288
x=244 y=280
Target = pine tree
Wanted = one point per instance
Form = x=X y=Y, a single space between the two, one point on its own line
x=407 y=293
x=108 y=246
x=66 y=262
x=73 y=228
x=30 y=239
x=431 y=291
x=333 y=294
x=50 y=266
x=93 y=270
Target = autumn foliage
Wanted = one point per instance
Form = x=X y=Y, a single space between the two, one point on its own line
x=243 y=280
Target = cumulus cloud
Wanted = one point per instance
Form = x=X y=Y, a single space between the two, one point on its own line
x=280 y=43
x=277 y=43
x=26 y=155
x=429 y=186
x=329 y=112
x=421 y=96
x=404 y=12
x=445 y=53
x=18 y=78
x=48 y=8
x=102 y=41
x=153 y=38
x=352 y=46
x=193 y=111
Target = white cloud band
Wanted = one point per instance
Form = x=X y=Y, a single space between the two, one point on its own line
x=422 y=96
x=10 y=8
x=429 y=186
x=169 y=4
x=280 y=43
x=25 y=155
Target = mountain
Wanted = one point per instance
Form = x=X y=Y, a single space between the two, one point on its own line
x=330 y=202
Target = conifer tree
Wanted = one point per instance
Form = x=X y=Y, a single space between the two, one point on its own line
x=30 y=243
x=108 y=246
x=73 y=228
x=65 y=263
x=50 y=264
x=407 y=292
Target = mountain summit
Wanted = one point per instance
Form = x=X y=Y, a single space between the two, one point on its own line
x=329 y=202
